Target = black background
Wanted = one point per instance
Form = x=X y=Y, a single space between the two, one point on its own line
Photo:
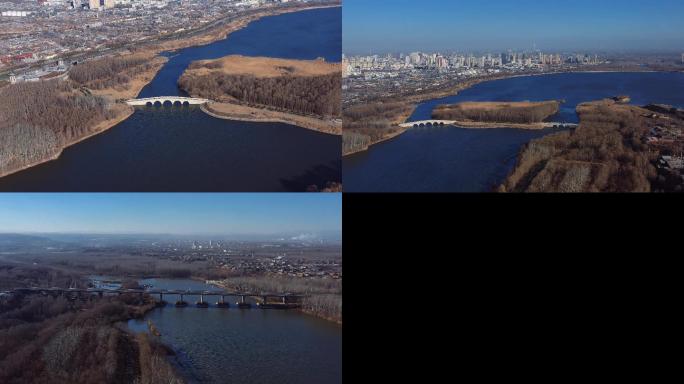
x=528 y=287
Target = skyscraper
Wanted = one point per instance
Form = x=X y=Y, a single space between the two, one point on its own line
x=94 y=4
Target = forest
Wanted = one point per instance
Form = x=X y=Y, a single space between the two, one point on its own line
x=306 y=95
x=606 y=153
x=366 y=124
x=109 y=72
x=518 y=113
x=45 y=339
x=38 y=119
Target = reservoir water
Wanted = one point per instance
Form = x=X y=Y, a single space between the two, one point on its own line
x=451 y=159
x=183 y=149
x=246 y=346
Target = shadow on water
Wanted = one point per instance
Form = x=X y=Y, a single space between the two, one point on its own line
x=181 y=149
x=324 y=172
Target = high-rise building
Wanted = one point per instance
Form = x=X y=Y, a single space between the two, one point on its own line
x=94 y=4
x=108 y=4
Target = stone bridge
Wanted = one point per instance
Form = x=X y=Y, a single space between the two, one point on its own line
x=173 y=100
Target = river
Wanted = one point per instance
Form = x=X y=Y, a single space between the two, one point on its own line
x=451 y=159
x=246 y=346
x=182 y=149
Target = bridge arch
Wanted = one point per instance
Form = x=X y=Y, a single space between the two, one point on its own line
x=158 y=103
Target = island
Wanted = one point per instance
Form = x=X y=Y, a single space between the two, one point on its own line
x=616 y=148
x=525 y=115
x=305 y=93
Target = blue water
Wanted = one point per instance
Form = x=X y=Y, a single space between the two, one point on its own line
x=179 y=149
x=450 y=159
x=248 y=346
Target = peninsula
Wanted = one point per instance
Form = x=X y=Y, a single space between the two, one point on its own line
x=616 y=148
x=306 y=93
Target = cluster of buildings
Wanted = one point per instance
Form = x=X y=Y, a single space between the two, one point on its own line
x=38 y=30
x=373 y=76
x=294 y=259
x=359 y=65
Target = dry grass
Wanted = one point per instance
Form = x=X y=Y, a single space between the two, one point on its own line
x=264 y=67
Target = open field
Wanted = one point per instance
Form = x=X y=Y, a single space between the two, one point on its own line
x=263 y=67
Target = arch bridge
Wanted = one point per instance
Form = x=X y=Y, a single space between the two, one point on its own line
x=427 y=123
x=161 y=100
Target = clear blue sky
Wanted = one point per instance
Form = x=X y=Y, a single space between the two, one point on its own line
x=195 y=213
x=431 y=25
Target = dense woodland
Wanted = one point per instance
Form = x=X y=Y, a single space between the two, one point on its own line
x=109 y=72
x=45 y=339
x=606 y=153
x=511 y=113
x=38 y=119
x=368 y=123
x=307 y=95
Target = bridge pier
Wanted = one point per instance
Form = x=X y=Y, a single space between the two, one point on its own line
x=161 y=302
x=222 y=303
x=181 y=302
x=202 y=303
x=242 y=304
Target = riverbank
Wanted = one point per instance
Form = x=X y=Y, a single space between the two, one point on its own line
x=123 y=111
x=236 y=112
x=615 y=149
x=142 y=79
x=221 y=32
x=454 y=90
x=315 y=305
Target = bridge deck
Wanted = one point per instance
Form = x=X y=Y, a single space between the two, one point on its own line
x=155 y=292
x=171 y=99
x=419 y=123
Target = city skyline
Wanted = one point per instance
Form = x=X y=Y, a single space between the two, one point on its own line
x=177 y=214
x=383 y=26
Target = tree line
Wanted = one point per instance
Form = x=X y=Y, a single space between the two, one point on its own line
x=108 y=72
x=38 y=119
x=308 y=95
x=518 y=114
x=366 y=124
